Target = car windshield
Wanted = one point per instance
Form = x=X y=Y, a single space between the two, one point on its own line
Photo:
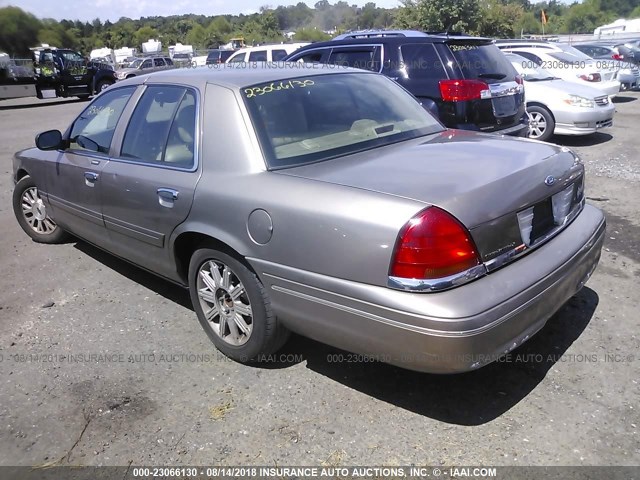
x=569 y=58
x=575 y=52
x=311 y=119
x=136 y=63
x=528 y=69
x=72 y=57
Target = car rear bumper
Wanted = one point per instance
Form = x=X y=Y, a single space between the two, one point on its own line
x=448 y=332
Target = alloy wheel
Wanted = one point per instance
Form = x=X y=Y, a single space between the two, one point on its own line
x=537 y=125
x=35 y=212
x=225 y=302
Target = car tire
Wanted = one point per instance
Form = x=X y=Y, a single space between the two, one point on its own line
x=32 y=214
x=233 y=307
x=541 y=123
x=103 y=85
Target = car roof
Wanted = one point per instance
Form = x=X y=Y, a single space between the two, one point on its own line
x=236 y=77
x=380 y=33
x=272 y=46
x=426 y=38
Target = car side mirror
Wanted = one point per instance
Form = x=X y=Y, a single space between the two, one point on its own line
x=49 y=140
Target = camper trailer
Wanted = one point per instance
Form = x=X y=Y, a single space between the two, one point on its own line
x=152 y=46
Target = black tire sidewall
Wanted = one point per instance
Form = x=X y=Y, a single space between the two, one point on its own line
x=57 y=236
x=551 y=124
x=264 y=324
x=99 y=87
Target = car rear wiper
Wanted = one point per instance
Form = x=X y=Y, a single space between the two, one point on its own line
x=497 y=76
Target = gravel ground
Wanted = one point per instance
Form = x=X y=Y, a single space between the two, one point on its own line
x=103 y=364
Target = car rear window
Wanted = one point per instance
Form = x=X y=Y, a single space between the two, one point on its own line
x=310 y=119
x=481 y=60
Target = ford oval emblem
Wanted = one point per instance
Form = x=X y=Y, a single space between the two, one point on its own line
x=550 y=180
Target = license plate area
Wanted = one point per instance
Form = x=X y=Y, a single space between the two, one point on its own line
x=547 y=217
x=504 y=106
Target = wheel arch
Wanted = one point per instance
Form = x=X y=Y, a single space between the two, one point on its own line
x=187 y=242
x=542 y=105
x=21 y=173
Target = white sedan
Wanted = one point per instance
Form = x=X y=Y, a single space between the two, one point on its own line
x=575 y=68
x=559 y=107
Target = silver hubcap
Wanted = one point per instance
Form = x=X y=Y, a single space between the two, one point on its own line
x=225 y=302
x=537 y=125
x=35 y=212
x=104 y=86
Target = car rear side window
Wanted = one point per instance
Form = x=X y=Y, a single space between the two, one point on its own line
x=93 y=129
x=365 y=58
x=162 y=127
x=258 y=56
x=481 y=60
x=421 y=62
x=158 y=62
x=277 y=55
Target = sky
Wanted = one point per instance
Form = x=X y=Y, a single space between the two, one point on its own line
x=114 y=9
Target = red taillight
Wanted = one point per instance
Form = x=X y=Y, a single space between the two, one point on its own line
x=616 y=56
x=433 y=244
x=461 y=90
x=592 y=77
x=519 y=79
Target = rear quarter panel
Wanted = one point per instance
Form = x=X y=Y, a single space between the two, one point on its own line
x=334 y=230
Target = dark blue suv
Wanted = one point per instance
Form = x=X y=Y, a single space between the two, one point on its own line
x=464 y=81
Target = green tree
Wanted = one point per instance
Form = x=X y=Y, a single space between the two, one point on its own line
x=310 y=35
x=197 y=36
x=143 y=35
x=440 y=15
x=499 y=19
x=18 y=31
x=585 y=17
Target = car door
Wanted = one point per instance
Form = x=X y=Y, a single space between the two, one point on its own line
x=73 y=181
x=148 y=187
x=159 y=64
x=147 y=66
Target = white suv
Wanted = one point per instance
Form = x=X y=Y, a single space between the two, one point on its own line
x=265 y=53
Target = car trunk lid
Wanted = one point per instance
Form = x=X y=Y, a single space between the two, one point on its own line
x=484 y=181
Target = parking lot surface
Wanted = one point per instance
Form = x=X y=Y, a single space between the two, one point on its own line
x=105 y=364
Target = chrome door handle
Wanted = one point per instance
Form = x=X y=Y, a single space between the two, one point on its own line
x=166 y=196
x=90 y=179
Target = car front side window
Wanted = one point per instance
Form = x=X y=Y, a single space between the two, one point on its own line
x=162 y=128
x=365 y=58
x=93 y=129
x=237 y=58
x=146 y=64
x=315 y=56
